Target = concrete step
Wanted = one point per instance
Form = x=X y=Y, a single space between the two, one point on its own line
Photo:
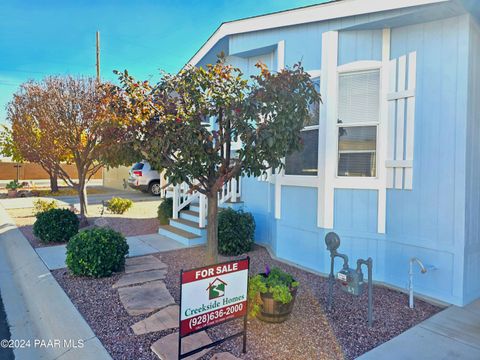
x=187 y=225
x=185 y=237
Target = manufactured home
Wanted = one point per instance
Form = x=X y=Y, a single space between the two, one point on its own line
x=391 y=161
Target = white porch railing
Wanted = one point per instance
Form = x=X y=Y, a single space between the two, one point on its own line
x=230 y=191
x=182 y=196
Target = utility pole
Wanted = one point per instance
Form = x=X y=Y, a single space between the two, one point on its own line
x=98 y=56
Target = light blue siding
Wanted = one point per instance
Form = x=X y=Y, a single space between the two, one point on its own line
x=359 y=45
x=472 y=223
x=431 y=215
x=356 y=211
x=437 y=221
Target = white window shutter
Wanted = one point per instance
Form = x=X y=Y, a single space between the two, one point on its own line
x=401 y=122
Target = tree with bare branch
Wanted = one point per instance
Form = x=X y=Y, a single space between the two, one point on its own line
x=66 y=119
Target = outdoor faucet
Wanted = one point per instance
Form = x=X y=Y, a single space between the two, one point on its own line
x=423 y=270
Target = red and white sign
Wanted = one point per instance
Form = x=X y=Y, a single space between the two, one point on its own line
x=213 y=294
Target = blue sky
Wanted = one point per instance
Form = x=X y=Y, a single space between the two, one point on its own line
x=45 y=37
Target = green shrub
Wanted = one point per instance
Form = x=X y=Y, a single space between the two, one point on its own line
x=96 y=252
x=13 y=185
x=55 y=225
x=165 y=210
x=236 y=231
x=41 y=205
x=118 y=205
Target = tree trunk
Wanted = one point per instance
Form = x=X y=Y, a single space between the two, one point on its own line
x=53 y=182
x=212 y=229
x=82 y=195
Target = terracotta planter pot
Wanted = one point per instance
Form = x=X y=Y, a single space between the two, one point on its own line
x=274 y=311
x=12 y=193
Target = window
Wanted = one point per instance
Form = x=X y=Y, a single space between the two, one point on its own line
x=356 y=151
x=305 y=161
x=358 y=117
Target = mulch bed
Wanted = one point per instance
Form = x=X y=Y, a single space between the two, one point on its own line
x=310 y=333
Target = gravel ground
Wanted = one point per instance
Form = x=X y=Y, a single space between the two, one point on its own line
x=310 y=333
x=141 y=219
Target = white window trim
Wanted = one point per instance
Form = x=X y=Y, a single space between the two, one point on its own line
x=330 y=112
x=326 y=181
x=351 y=68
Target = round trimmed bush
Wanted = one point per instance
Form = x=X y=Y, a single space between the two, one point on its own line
x=96 y=252
x=236 y=231
x=165 y=210
x=55 y=225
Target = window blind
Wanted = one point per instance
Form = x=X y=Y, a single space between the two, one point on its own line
x=358 y=97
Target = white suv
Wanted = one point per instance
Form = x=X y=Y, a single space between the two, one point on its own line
x=142 y=177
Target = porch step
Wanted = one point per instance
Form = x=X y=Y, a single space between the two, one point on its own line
x=185 y=237
x=187 y=225
x=190 y=215
x=194 y=207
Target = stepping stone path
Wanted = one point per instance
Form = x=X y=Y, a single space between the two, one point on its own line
x=140 y=277
x=164 y=319
x=166 y=348
x=144 y=299
x=142 y=291
x=143 y=263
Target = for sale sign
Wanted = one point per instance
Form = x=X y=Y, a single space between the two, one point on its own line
x=213 y=294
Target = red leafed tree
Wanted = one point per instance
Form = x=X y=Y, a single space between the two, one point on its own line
x=66 y=119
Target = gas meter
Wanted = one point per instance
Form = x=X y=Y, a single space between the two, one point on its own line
x=351 y=281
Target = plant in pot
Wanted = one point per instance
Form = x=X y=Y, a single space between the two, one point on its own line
x=12 y=188
x=271 y=295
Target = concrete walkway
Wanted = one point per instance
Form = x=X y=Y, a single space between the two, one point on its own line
x=54 y=256
x=38 y=310
x=453 y=333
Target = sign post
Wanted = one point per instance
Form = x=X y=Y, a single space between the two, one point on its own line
x=210 y=296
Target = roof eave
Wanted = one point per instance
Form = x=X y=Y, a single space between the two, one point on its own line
x=320 y=12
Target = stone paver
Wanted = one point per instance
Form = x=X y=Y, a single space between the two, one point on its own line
x=140 y=278
x=143 y=299
x=166 y=348
x=143 y=263
x=224 y=356
x=164 y=319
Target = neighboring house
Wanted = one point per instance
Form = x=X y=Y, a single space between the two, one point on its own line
x=392 y=159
